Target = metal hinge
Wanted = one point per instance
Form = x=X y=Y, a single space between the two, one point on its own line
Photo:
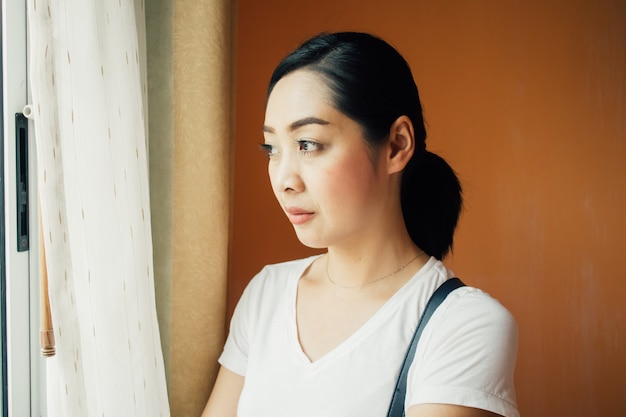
x=21 y=168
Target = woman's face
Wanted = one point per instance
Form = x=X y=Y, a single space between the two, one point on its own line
x=332 y=186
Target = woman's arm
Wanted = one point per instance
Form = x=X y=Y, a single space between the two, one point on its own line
x=225 y=395
x=446 y=410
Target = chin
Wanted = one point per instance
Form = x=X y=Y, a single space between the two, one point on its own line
x=313 y=242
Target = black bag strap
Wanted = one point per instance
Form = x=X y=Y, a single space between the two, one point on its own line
x=396 y=408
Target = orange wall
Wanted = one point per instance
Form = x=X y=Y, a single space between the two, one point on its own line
x=527 y=101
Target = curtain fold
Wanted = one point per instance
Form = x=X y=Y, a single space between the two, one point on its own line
x=201 y=194
x=190 y=84
x=88 y=93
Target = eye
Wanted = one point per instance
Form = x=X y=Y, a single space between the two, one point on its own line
x=307 y=146
x=268 y=150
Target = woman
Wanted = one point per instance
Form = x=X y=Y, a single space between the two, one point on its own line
x=326 y=335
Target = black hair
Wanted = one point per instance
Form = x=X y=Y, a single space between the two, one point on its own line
x=371 y=83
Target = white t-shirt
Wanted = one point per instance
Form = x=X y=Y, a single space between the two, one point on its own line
x=466 y=354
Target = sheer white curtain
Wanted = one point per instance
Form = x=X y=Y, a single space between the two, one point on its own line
x=88 y=87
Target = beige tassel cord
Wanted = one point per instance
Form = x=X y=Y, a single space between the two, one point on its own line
x=46 y=332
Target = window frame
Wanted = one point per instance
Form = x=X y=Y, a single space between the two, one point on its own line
x=25 y=368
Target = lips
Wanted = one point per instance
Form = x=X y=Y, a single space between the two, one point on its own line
x=298 y=215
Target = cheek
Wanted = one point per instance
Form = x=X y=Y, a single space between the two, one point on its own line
x=350 y=182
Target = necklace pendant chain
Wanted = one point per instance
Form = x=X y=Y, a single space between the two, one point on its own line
x=332 y=281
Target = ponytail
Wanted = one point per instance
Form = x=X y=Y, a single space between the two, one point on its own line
x=432 y=201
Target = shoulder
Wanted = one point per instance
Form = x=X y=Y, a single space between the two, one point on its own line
x=287 y=267
x=271 y=290
x=471 y=329
x=277 y=273
x=465 y=306
x=274 y=279
x=471 y=309
x=467 y=354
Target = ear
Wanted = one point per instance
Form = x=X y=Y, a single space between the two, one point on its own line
x=401 y=144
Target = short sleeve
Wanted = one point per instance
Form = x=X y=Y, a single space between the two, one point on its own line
x=467 y=355
x=236 y=349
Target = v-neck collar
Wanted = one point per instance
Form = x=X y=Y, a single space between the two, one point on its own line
x=377 y=319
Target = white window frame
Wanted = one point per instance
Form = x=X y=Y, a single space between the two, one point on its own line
x=25 y=366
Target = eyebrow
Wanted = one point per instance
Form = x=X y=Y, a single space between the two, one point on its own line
x=299 y=123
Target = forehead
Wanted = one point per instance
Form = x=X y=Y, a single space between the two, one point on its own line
x=297 y=95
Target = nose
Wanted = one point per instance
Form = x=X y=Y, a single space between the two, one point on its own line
x=285 y=175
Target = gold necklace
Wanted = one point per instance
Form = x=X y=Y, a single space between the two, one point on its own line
x=352 y=287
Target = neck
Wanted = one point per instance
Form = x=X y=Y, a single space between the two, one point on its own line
x=372 y=266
